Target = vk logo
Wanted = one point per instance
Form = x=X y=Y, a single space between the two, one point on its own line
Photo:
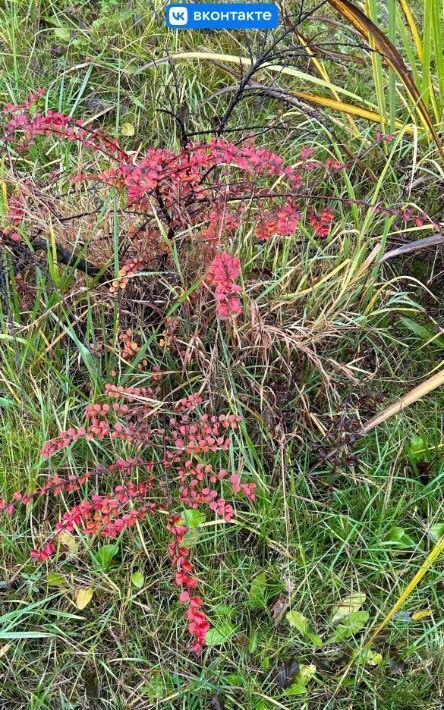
x=222 y=15
x=177 y=16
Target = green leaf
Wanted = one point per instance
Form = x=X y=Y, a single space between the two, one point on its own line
x=437 y=531
x=137 y=580
x=105 y=556
x=224 y=611
x=418 y=448
x=349 y=626
x=192 y=518
x=301 y=623
x=398 y=536
x=422 y=332
x=54 y=579
x=368 y=657
x=347 y=606
x=62 y=33
x=257 y=593
x=302 y=679
x=220 y=634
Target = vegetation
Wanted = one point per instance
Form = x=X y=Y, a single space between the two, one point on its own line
x=220 y=282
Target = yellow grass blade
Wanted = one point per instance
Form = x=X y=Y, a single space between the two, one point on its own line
x=246 y=62
x=429 y=561
x=347 y=108
x=413 y=396
x=387 y=49
x=322 y=71
x=413 y=28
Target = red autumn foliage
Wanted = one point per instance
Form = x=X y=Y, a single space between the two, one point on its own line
x=175 y=466
x=205 y=190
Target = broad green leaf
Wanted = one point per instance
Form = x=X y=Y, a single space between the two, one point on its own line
x=301 y=623
x=54 y=579
x=437 y=531
x=220 y=634
x=349 y=626
x=193 y=518
x=105 y=555
x=347 y=606
x=417 y=447
x=137 y=580
x=257 y=593
x=398 y=536
x=302 y=679
x=422 y=332
x=83 y=597
x=62 y=33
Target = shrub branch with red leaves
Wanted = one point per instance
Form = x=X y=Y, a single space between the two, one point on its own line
x=170 y=470
x=206 y=190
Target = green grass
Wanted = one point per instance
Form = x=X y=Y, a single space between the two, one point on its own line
x=331 y=336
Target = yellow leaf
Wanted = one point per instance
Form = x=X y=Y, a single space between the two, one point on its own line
x=413 y=28
x=127 y=129
x=83 y=597
x=347 y=606
x=423 y=614
x=243 y=62
x=68 y=540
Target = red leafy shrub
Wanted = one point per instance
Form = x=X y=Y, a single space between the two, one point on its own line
x=175 y=465
x=200 y=194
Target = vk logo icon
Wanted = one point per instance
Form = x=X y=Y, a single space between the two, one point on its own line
x=177 y=16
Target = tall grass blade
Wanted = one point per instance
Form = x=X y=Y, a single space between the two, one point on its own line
x=429 y=561
x=414 y=395
x=382 y=44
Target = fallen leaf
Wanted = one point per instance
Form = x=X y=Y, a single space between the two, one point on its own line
x=302 y=679
x=92 y=685
x=127 y=129
x=422 y=614
x=287 y=673
x=83 y=597
x=347 y=606
x=68 y=540
x=278 y=608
